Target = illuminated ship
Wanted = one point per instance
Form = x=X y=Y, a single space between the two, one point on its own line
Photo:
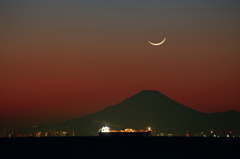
x=105 y=131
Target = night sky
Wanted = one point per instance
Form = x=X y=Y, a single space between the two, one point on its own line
x=61 y=59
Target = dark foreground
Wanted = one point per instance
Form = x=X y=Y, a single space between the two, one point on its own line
x=116 y=148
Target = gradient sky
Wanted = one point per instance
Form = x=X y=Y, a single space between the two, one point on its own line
x=64 y=59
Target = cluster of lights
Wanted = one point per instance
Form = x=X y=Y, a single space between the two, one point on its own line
x=107 y=129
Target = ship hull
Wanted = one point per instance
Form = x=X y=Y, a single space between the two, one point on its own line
x=126 y=134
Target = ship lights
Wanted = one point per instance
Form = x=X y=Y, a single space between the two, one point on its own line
x=105 y=129
x=128 y=130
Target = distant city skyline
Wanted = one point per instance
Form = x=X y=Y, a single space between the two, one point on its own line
x=61 y=60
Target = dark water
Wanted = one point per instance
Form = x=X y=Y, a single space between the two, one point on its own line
x=116 y=148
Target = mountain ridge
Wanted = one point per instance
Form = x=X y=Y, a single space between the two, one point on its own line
x=151 y=108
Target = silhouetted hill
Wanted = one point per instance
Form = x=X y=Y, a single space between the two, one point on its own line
x=225 y=121
x=151 y=108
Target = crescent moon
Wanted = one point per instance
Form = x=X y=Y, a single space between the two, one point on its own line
x=156 y=44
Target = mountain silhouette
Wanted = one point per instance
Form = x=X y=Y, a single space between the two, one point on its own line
x=151 y=108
